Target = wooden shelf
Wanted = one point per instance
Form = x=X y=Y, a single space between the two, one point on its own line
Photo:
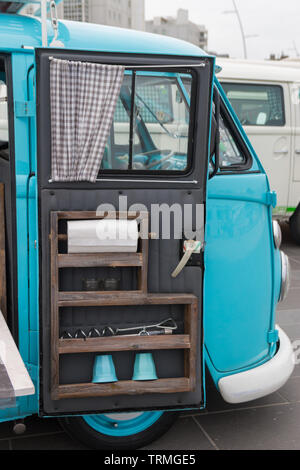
x=101 y=298
x=92 y=260
x=79 y=215
x=123 y=387
x=104 y=298
x=123 y=343
x=187 y=342
x=88 y=260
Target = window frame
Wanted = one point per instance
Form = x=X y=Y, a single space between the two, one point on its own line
x=10 y=120
x=170 y=107
x=244 y=83
x=239 y=142
x=192 y=124
x=152 y=122
x=10 y=199
x=201 y=66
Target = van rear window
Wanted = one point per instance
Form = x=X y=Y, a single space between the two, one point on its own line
x=256 y=105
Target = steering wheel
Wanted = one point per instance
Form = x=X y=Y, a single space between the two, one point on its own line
x=157 y=162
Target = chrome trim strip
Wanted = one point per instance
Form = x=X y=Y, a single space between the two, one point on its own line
x=147 y=181
x=137 y=67
x=134 y=181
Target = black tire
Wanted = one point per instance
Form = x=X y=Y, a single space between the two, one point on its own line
x=295 y=225
x=77 y=428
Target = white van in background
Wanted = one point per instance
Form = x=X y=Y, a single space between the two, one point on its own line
x=266 y=97
x=3 y=114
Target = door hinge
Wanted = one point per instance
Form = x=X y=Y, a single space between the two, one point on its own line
x=24 y=109
x=272 y=336
x=271 y=198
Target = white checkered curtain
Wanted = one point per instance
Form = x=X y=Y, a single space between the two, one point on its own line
x=83 y=101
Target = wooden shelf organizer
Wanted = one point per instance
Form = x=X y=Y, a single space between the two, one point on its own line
x=186 y=342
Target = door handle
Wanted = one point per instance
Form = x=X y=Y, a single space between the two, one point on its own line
x=283 y=151
x=191 y=246
x=297 y=151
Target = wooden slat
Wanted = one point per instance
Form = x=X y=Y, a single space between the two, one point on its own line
x=54 y=303
x=127 y=387
x=64 y=236
x=73 y=215
x=195 y=333
x=84 y=260
x=143 y=273
x=3 y=298
x=123 y=343
x=85 y=299
x=105 y=298
x=191 y=328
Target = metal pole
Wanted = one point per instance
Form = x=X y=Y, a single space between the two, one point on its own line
x=44 y=22
x=241 y=27
x=83 y=10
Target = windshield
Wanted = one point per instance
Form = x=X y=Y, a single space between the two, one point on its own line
x=150 y=130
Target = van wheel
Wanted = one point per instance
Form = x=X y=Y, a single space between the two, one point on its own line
x=295 y=225
x=119 y=431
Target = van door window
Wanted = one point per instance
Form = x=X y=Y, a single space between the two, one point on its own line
x=4 y=140
x=257 y=105
x=230 y=155
x=151 y=124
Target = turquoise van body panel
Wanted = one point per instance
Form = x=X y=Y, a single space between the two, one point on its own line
x=19 y=32
x=238 y=208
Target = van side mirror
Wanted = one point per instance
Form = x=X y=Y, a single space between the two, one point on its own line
x=214 y=157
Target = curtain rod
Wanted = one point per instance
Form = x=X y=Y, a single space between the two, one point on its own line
x=135 y=67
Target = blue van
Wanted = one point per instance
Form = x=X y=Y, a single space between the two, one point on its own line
x=114 y=335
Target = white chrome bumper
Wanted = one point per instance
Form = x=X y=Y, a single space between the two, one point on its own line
x=261 y=380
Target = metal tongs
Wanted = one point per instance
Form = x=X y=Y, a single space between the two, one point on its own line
x=165 y=327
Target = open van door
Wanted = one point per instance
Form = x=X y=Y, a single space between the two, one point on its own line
x=15 y=380
x=14 y=377
x=155 y=167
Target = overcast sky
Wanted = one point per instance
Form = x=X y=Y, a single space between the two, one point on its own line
x=276 y=22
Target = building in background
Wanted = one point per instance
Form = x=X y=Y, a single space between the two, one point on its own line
x=180 y=27
x=122 y=13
